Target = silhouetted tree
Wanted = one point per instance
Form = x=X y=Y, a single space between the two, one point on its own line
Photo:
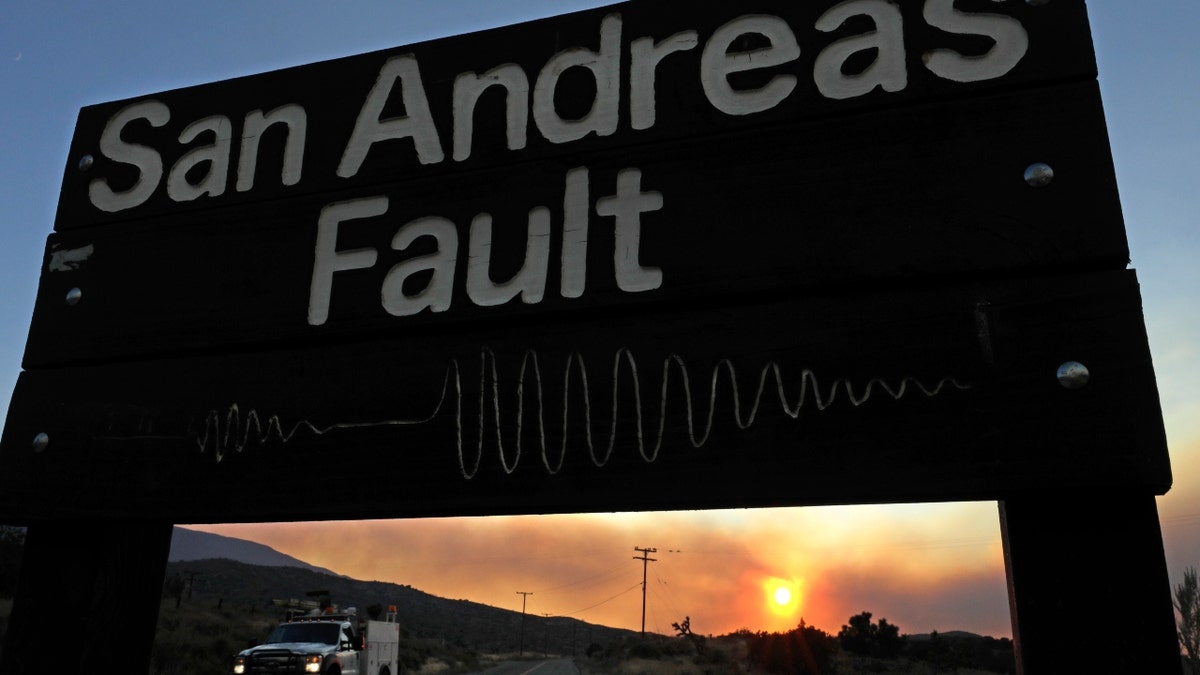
x=858 y=637
x=1187 y=603
x=804 y=650
x=888 y=642
x=941 y=654
x=949 y=653
x=881 y=640
x=815 y=648
x=937 y=651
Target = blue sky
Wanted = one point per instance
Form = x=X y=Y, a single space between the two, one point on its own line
x=56 y=57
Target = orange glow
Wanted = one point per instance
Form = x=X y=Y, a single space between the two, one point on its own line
x=783 y=596
x=924 y=567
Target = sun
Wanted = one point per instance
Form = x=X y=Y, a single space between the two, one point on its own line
x=782 y=596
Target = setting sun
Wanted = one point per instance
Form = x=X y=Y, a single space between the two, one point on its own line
x=783 y=596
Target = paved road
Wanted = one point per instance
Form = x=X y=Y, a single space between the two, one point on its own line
x=547 y=667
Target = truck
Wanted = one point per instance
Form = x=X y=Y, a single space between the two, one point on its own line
x=326 y=643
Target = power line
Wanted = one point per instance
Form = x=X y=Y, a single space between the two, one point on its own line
x=612 y=573
x=665 y=593
x=581 y=611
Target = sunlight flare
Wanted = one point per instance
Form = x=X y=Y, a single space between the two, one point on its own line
x=783 y=596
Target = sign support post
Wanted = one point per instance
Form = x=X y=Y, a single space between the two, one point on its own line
x=1088 y=585
x=88 y=597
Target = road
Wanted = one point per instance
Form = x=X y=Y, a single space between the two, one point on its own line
x=545 y=667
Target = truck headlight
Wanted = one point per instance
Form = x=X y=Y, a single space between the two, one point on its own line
x=312 y=663
x=239 y=665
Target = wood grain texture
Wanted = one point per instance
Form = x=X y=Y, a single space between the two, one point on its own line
x=332 y=93
x=499 y=419
x=924 y=195
x=103 y=580
x=1062 y=550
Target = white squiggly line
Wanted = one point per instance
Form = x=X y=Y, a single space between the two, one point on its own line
x=237 y=436
x=234 y=434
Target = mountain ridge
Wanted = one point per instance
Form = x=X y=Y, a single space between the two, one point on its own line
x=244 y=576
x=188 y=545
x=257 y=590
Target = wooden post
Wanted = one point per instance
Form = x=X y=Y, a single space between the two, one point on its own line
x=88 y=597
x=1088 y=585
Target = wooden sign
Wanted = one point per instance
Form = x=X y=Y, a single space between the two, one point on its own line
x=948 y=394
x=752 y=254
x=633 y=74
x=796 y=239
x=727 y=219
x=624 y=156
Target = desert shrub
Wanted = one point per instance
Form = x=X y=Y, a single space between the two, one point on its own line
x=804 y=650
x=645 y=650
x=880 y=640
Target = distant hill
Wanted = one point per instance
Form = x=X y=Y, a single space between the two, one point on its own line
x=247 y=579
x=239 y=575
x=195 y=545
x=949 y=635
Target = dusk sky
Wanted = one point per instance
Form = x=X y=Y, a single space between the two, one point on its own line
x=923 y=567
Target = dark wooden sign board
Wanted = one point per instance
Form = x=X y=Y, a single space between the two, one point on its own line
x=775 y=254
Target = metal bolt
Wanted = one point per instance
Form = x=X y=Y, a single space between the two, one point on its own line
x=41 y=442
x=1039 y=175
x=86 y=162
x=1073 y=375
x=74 y=296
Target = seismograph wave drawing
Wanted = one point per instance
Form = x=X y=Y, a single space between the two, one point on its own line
x=232 y=431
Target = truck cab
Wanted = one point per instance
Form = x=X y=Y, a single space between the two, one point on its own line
x=326 y=644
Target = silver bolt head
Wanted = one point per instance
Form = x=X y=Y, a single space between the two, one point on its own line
x=1039 y=175
x=41 y=442
x=1073 y=375
x=86 y=162
x=73 y=297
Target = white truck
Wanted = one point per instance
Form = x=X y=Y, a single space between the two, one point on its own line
x=327 y=644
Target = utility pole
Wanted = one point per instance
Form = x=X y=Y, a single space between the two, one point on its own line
x=646 y=560
x=524 y=595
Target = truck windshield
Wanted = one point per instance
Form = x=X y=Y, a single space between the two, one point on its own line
x=325 y=633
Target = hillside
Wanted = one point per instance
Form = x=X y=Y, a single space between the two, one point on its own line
x=195 y=545
x=213 y=608
x=252 y=589
x=231 y=604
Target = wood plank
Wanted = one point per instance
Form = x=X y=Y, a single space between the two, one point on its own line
x=103 y=581
x=1088 y=583
x=914 y=196
x=457 y=423
x=332 y=93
